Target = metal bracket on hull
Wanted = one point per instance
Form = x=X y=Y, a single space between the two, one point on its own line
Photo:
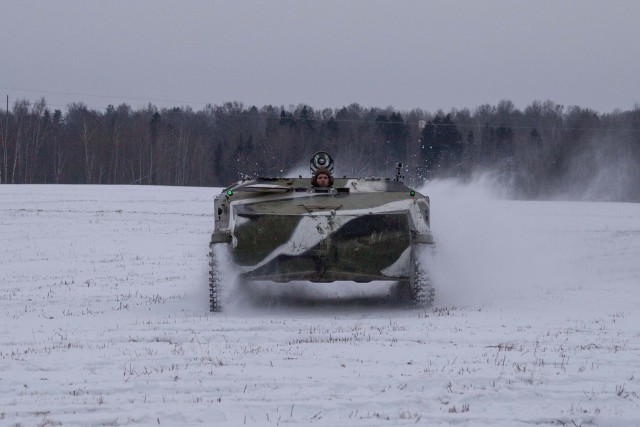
x=422 y=238
x=220 y=238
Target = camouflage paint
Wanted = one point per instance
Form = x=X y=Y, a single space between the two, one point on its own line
x=282 y=230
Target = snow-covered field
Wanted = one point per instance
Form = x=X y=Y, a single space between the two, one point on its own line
x=104 y=320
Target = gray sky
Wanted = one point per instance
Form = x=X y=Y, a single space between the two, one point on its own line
x=406 y=54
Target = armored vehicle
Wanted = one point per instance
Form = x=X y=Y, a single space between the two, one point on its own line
x=359 y=229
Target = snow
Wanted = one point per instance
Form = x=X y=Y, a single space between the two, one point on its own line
x=104 y=319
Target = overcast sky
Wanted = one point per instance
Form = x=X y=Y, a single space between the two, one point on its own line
x=405 y=54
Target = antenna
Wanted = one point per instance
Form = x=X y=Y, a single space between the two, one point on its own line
x=398 y=172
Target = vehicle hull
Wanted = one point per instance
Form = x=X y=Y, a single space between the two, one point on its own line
x=361 y=230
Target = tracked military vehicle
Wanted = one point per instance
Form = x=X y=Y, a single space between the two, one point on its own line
x=359 y=229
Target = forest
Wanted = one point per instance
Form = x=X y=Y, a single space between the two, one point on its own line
x=545 y=151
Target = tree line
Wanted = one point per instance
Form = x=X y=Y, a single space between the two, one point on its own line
x=542 y=151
